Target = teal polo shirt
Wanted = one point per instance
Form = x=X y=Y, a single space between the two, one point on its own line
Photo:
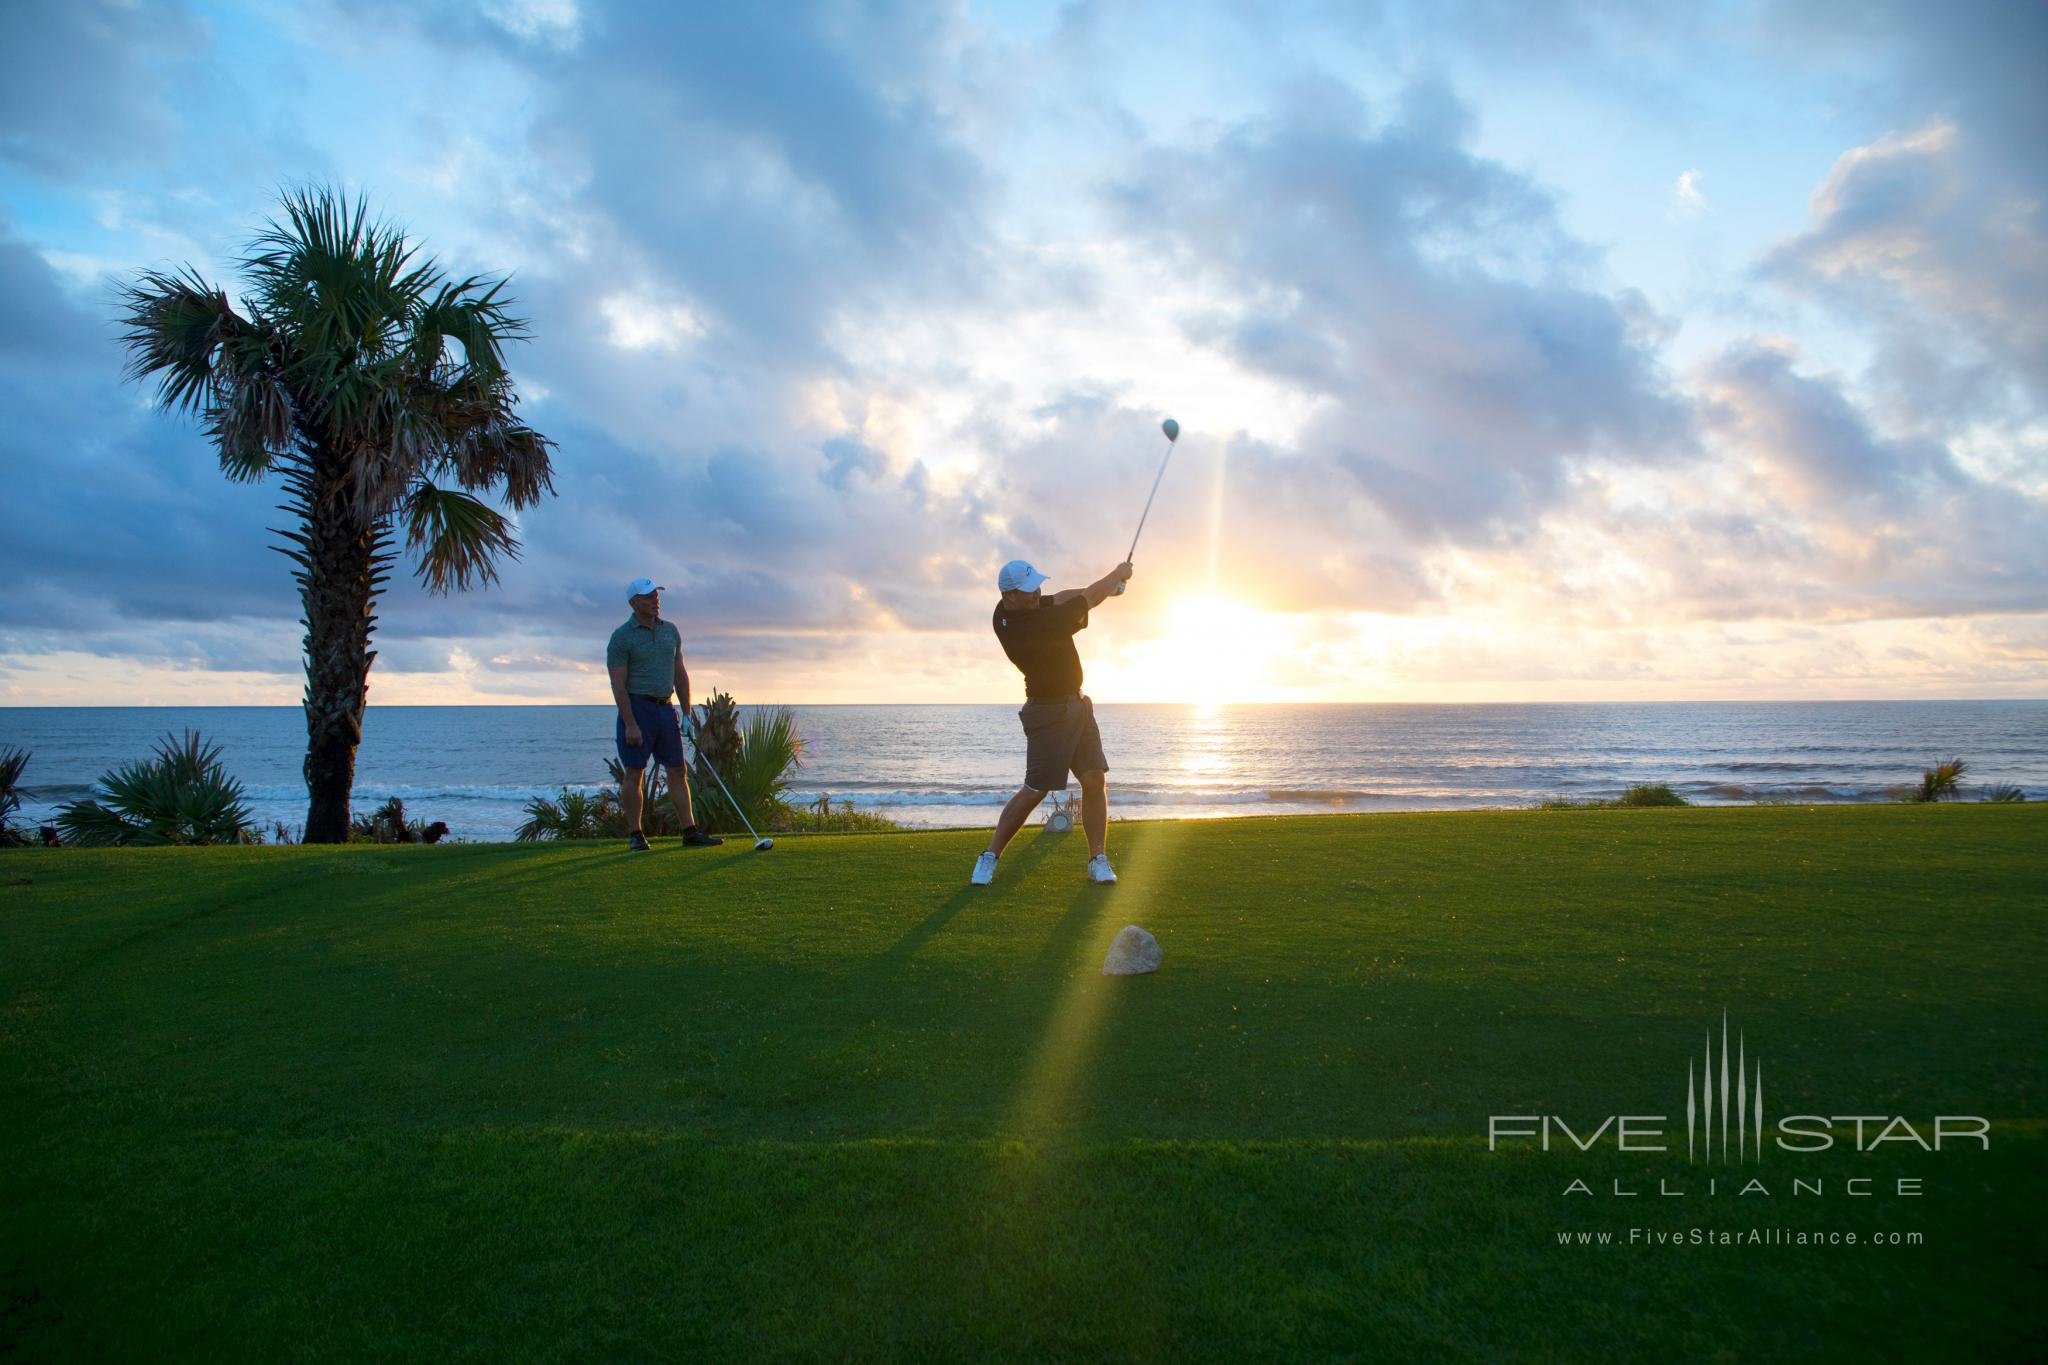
x=647 y=654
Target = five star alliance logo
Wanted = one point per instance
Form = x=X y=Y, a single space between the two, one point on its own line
x=1725 y=1119
x=1748 y=1103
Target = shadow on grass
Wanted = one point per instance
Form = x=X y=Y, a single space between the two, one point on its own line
x=929 y=928
x=600 y=862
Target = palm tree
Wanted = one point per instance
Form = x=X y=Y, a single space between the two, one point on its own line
x=376 y=387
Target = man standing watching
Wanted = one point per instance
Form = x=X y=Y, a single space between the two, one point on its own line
x=645 y=660
x=1037 y=632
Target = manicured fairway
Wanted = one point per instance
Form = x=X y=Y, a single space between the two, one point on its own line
x=565 y=1103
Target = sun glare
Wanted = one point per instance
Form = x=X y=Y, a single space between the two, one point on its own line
x=1208 y=650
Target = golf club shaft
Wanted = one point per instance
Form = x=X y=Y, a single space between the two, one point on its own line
x=721 y=786
x=1170 y=444
x=1156 y=478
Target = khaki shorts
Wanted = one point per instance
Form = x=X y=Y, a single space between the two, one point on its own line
x=1059 y=738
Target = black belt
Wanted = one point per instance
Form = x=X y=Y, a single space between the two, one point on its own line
x=642 y=696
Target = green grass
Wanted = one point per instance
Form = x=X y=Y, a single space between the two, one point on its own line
x=557 y=1102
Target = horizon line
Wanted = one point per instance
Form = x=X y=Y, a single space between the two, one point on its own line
x=1009 y=701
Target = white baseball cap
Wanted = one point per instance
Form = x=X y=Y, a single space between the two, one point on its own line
x=1019 y=576
x=640 y=587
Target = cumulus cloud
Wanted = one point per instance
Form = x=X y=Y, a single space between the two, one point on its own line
x=1911 y=234
x=1428 y=297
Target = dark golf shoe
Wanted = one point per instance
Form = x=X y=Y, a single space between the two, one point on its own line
x=636 y=842
x=697 y=838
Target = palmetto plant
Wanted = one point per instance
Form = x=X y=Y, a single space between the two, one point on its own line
x=716 y=728
x=571 y=815
x=376 y=387
x=756 y=770
x=1942 y=782
x=12 y=793
x=182 y=796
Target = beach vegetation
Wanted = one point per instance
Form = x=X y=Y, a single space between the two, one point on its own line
x=374 y=385
x=13 y=762
x=1641 y=794
x=182 y=795
x=388 y=825
x=571 y=815
x=754 y=760
x=825 y=816
x=755 y=757
x=2004 y=793
x=715 y=727
x=1941 y=782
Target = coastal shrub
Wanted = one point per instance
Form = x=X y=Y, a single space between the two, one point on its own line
x=755 y=763
x=12 y=794
x=823 y=817
x=571 y=815
x=755 y=760
x=387 y=825
x=716 y=728
x=2004 y=793
x=182 y=796
x=1942 y=782
x=1641 y=794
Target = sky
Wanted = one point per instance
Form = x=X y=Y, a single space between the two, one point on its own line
x=1561 y=352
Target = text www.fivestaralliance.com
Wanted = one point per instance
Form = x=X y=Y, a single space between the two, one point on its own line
x=1739 y=1237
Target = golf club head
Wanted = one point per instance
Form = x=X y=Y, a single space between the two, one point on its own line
x=764 y=845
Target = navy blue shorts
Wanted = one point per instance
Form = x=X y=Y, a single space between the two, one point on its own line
x=1060 y=737
x=661 y=735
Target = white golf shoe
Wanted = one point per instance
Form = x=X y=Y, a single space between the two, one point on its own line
x=984 y=869
x=1100 y=872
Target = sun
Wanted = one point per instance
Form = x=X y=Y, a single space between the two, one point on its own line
x=1206 y=649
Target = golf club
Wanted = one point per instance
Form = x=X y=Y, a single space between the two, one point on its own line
x=1172 y=430
x=760 y=845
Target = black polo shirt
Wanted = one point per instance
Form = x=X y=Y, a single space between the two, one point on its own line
x=1040 y=641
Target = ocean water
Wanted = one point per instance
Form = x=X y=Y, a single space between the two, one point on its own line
x=476 y=767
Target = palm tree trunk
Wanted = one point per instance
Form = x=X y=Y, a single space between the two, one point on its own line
x=342 y=569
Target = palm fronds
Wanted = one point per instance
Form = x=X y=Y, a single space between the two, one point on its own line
x=378 y=386
x=571 y=815
x=1942 y=782
x=184 y=795
x=12 y=764
x=756 y=768
x=456 y=538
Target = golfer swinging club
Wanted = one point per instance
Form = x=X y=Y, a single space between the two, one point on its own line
x=1037 y=632
x=645 y=659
